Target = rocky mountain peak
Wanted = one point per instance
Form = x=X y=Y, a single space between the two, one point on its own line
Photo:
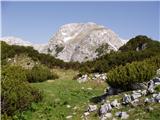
x=83 y=41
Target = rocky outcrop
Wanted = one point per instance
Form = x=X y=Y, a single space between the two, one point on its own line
x=82 y=42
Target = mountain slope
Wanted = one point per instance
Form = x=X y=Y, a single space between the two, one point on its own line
x=80 y=41
x=11 y=40
x=139 y=43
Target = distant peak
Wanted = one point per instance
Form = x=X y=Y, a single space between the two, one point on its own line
x=12 y=40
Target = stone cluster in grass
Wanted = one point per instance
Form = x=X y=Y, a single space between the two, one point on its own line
x=134 y=98
x=95 y=76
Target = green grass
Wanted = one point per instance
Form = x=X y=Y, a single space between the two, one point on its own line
x=64 y=91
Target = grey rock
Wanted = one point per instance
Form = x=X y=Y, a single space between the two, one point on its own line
x=149 y=100
x=144 y=92
x=151 y=86
x=106 y=116
x=86 y=113
x=156 y=81
x=97 y=76
x=134 y=102
x=105 y=108
x=122 y=115
x=126 y=99
x=135 y=95
x=115 y=103
x=92 y=108
x=83 y=78
x=157 y=98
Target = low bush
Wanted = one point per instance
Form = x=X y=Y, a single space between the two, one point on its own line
x=16 y=94
x=155 y=61
x=136 y=72
x=40 y=73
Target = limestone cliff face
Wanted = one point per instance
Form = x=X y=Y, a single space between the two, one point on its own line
x=83 y=41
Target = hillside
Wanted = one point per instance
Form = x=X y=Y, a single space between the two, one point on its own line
x=136 y=49
x=10 y=51
x=119 y=85
x=67 y=99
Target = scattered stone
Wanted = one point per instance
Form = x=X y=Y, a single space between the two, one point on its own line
x=151 y=86
x=134 y=102
x=114 y=119
x=105 y=108
x=103 y=118
x=115 y=103
x=108 y=115
x=156 y=81
x=126 y=99
x=92 y=108
x=144 y=92
x=97 y=76
x=135 y=95
x=151 y=100
x=68 y=117
x=154 y=95
x=122 y=115
x=83 y=78
x=86 y=113
x=157 y=98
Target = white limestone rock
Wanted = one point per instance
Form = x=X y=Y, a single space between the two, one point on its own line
x=80 y=41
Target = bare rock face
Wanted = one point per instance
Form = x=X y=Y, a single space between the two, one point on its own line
x=82 y=42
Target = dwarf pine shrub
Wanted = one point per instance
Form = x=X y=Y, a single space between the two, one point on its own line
x=136 y=72
x=16 y=93
x=40 y=73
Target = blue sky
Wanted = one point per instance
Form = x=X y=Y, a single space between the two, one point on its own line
x=38 y=21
